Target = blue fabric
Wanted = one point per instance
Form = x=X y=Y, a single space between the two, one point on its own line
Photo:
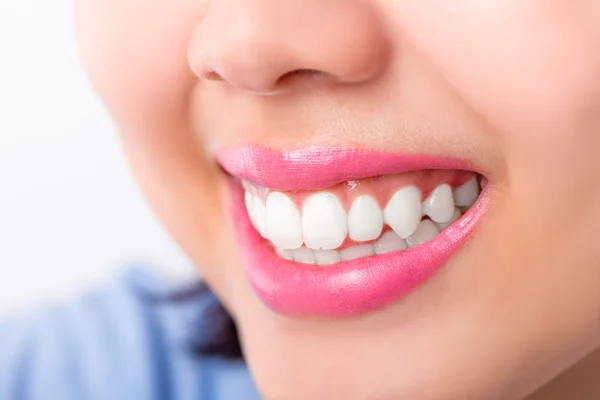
x=116 y=344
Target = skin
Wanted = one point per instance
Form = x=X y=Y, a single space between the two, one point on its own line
x=511 y=85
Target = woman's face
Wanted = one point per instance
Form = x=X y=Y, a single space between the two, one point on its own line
x=299 y=98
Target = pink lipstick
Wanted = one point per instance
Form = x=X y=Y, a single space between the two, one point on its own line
x=320 y=167
x=349 y=287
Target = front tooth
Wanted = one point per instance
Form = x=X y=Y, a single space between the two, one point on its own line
x=439 y=206
x=466 y=195
x=324 y=222
x=424 y=233
x=457 y=214
x=389 y=242
x=363 y=250
x=283 y=221
x=327 y=257
x=304 y=255
x=260 y=216
x=365 y=219
x=403 y=212
x=285 y=254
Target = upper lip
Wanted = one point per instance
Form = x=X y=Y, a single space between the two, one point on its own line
x=312 y=168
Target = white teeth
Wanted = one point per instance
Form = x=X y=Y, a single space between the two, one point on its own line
x=327 y=257
x=389 y=242
x=439 y=206
x=260 y=216
x=285 y=254
x=466 y=195
x=249 y=199
x=304 y=255
x=424 y=233
x=324 y=222
x=455 y=217
x=363 y=250
x=403 y=212
x=365 y=219
x=284 y=224
x=312 y=235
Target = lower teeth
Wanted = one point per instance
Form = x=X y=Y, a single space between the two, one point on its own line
x=388 y=242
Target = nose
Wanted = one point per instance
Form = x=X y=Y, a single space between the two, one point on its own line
x=256 y=45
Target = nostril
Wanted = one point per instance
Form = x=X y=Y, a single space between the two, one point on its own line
x=301 y=74
x=210 y=75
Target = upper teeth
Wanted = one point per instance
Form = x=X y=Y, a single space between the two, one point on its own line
x=324 y=222
x=365 y=219
x=466 y=195
x=403 y=212
x=324 y=225
x=439 y=206
x=284 y=225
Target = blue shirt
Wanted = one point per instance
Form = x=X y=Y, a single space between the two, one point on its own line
x=116 y=344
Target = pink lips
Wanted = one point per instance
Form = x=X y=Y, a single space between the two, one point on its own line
x=320 y=167
x=350 y=287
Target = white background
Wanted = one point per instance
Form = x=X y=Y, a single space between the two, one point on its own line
x=70 y=213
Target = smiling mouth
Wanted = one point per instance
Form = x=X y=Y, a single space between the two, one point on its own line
x=337 y=232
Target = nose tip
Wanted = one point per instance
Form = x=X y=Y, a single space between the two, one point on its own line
x=258 y=44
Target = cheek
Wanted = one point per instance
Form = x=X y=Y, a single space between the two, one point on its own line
x=531 y=70
x=135 y=53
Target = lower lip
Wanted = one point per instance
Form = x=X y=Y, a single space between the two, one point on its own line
x=350 y=287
